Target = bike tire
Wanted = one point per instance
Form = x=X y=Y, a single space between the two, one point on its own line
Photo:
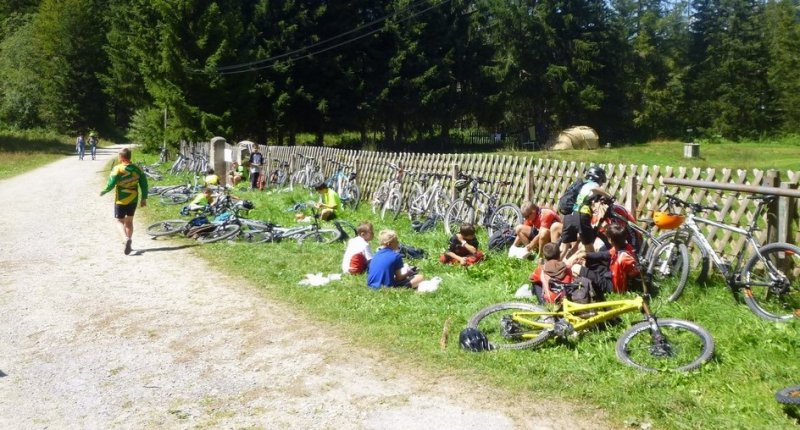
x=393 y=205
x=167 y=227
x=704 y=265
x=353 y=194
x=688 y=344
x=506 y=216
x=778 y=298
x=441 y=203
x=222 y=232
x=379 y=198
x=460 y=212
x=298 y=179
x=256 y=236
x=323 y=235
x=314 y=179
x=668 y=271
x=789 y=395
x=416 y=200
x=489 y=321
x=173 y=198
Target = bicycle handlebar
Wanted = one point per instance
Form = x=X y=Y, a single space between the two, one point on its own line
x=694 y=207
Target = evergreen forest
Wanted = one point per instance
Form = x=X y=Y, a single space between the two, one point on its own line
x=409 y=72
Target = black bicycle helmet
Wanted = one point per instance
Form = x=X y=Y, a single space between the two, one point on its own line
x=597 y=174
x=473 y=340
x=246 y=205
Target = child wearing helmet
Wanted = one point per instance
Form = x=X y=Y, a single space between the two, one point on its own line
x=578 y=225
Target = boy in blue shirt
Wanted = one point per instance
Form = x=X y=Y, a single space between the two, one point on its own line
x=386 y=269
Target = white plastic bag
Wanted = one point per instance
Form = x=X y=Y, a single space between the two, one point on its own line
x=518 y=252
x=429 y=285
x=524 y=291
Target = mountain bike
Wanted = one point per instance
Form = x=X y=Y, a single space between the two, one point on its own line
x=428 y=197
x=769 y=280
x=179 y=226
x=278 y=175
x=651 y=345
x=388 y=197
x=313 y=232
x=343 y=181
x=480 y=208
x=308 y=174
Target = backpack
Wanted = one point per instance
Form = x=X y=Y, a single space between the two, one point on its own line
x=411 y=252
x=568 y=199
x=423 y=226
x=502 y=239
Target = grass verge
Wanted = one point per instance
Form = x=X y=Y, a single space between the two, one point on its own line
x=21 y=151
x=754 y=358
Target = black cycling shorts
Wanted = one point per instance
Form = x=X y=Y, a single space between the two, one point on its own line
x=575 y=224
x=121 y=211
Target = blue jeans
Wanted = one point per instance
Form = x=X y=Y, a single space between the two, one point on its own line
x=81 y=151
x=94 y=150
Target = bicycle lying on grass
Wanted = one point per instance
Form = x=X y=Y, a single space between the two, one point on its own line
x=313 y=231
x=769 y=280
x=651 y=345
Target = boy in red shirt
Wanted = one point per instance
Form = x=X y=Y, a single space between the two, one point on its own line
x=539 y=228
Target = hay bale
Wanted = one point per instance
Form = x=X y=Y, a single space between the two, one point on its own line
x=579 y=137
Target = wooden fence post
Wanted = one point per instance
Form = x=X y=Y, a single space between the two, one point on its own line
x=529 y=182
x=454 y=170
x=785 y=215
x=773 y=213
x=631 y=188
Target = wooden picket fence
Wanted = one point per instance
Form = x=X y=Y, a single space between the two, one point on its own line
x=542 y=181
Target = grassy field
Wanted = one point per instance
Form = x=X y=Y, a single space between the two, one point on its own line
x=781 y=154
x=24 y=151
x=754 y=358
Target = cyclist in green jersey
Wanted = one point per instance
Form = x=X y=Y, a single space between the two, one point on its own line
x=127 y=178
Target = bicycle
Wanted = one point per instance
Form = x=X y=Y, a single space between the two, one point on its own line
x=651 y=345
x=480 y=208
x=313 y=231
x=769 y=280
x=279 y=175
x=343 y=181
x=428 y=197
x=308 y=175
x=389 y=195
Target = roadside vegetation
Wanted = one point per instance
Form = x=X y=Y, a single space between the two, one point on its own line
x=754 y=358
x=21 y=151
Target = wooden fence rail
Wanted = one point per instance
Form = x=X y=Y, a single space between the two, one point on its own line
x=542 y=181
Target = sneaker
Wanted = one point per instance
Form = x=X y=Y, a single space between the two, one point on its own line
x=127 y=247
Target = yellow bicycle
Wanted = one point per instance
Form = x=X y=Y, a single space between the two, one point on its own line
x=651 y=345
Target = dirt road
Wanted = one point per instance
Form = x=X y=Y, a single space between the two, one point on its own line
x=94 y=339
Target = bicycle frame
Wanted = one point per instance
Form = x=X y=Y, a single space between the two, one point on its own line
x=598 y=312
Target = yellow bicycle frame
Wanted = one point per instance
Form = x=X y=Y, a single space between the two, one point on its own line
x=580 y=316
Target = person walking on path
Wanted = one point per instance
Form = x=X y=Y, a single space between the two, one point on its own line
x=127 y=179
x=93 y=144
x=80 y=146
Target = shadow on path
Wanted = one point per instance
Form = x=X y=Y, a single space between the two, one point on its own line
x=163 y=248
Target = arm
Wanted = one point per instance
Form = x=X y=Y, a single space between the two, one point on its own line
x=112 y=181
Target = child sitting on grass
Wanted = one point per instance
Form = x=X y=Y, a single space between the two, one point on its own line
x=463 y=248
x=386 y=269
x=358 y=252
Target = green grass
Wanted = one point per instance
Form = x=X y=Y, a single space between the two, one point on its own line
x=754 y=358
x=781 y=154
x=21 y=151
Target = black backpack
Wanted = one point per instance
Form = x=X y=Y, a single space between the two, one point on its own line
x=502 y=239
x=411 y=252
x=568 y=199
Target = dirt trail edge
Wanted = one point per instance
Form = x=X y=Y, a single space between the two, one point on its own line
x=94 y=339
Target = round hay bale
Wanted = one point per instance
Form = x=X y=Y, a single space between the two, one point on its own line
x=579 y=137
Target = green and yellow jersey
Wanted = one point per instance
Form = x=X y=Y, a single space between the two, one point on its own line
x=127 y=178
x=331 y=199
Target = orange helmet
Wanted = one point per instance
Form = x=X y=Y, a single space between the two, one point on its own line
x=666 y=220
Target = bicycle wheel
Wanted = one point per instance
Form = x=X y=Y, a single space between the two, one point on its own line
x=504 y=332
x=166 y=228
x=684 y=346
x=222 y=232
x=256 y=236
x=668 y=271
x=789 y=395
x=460 y=212
x=315 y=178
x=173 y=198
x=506 y=216
x=298 y=179
x=393 y=205
x=379 y=198
x=703 y=263
x=353 y=196
x=772 y=284
x=441 y=202
x=323 y=235
x=417 y=201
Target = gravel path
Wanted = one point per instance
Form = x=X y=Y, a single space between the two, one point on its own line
x=94 y=339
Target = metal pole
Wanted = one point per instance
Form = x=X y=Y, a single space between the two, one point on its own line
x=783 y=192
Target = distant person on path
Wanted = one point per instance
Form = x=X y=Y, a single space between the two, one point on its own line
x=80 y=146
x=93 y=144
x=127 y=178
x=256 y=161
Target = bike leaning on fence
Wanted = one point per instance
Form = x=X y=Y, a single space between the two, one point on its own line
x=480 y=208
x=769 y=280
x=343 y=181
x=651 y=345
x=428 y=198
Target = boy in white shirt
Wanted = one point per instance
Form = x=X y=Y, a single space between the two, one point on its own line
x=358 y=252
